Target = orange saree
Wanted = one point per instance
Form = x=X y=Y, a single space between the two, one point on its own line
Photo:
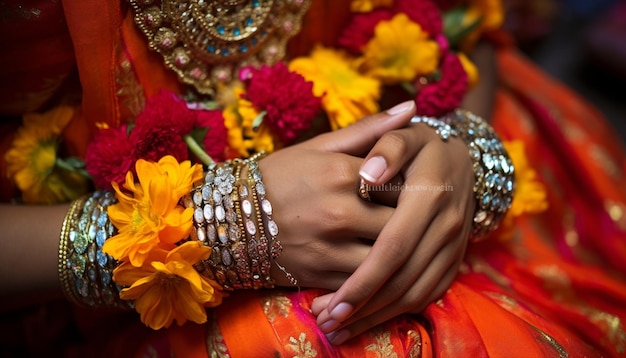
x=556 y=286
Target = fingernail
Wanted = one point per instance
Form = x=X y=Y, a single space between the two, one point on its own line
x=373 y=169
x=341 y=311
x=402 y=107
x=329 y=326
x=337 y=338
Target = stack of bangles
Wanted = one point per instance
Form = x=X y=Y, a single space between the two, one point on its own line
x=233 y=216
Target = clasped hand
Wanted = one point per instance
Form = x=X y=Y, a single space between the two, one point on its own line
x=390 y=256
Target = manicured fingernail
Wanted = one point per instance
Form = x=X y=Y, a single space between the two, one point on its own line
x=337 y=338
x=329 y=326
x=341 y=311
x=402 y=107
x=373 y=169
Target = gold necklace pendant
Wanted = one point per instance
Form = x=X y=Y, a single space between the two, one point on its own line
x=206 y=41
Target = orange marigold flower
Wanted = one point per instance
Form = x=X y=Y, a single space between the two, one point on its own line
x=32 y=161
x=369 y=5
x=400 y=51
x=347 y=95
x=147 y=214
x=166 y=287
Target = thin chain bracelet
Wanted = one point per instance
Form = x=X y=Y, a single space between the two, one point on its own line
x=494 y=180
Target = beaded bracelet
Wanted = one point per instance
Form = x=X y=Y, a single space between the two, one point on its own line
x=493 y=169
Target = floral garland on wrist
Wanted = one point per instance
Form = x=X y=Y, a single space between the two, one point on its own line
x=403 y=47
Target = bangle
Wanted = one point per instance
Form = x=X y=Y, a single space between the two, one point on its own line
x=493 y=169
x=85 y=272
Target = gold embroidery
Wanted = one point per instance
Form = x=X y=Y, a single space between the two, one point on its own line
x=552 y=342
x=559 y=284
x=415 y=344
x=603 y=159
x=302 y=347
x=216 y=347
x=382 y=345
x=504 y=301
x=617 y=213
x=613 y=326
x=276 y=305
x=129 y=90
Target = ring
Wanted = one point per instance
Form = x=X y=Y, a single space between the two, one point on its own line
x=363 y=193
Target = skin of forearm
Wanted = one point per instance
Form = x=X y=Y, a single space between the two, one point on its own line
x=480 y=99
x=29 y=243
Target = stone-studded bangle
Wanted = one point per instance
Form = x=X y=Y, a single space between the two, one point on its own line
x=85 y=270
x=493 y=169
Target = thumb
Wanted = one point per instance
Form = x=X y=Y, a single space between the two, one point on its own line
x=359 y=137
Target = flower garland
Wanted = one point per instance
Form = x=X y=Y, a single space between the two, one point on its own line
x=387 y=45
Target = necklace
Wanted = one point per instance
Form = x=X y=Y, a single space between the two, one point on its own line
x=206 y=41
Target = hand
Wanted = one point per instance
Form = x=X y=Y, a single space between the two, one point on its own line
x=417 y=254
x=313 y=188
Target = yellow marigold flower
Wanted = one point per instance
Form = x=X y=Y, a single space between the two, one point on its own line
x=347 y=96
x=470 y=69
x=490 y=13
x=32 y=160
x=147 y=213
x=530 y=194
x=166 y=287
x=369 y=5
x=239 y=118
x=400 y=51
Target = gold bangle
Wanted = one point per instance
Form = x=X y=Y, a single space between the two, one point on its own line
x=65 y=273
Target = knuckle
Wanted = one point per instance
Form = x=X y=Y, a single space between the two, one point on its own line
x=335 y=217
x=341 y=172
x=396 y=141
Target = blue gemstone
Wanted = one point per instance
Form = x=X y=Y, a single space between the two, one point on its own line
x=220 y=30
x=211 y=48
x=249 y=21
x=243 y=48
x=254 y=41
x=101 y=237
x=255 y=3
x=486 y=199
x=225 y=52
x=102 y=219
x=236 y=31
x=102 y=258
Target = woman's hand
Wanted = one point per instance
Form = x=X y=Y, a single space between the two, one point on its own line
x=417 y=254
x=325 y=228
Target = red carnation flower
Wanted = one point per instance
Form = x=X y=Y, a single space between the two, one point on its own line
x=109 y=156
x=165 y=109
x=153 y=143
x=424 y=12
x=360 y=30
x=215 y=140
x=286 y=97
x=438 y=98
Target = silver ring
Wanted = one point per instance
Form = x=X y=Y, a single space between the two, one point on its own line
x=363 y=193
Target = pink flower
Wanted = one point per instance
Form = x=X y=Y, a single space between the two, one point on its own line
x=437 y=98
x=360 y=30
x=424 y=12
x=287 y=99
x=109 y=156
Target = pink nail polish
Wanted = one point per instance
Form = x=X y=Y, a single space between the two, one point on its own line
x=329 y=326
x=337 y=338
x=341 y=312
x=373 y=169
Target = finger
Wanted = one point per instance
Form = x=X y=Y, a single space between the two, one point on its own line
x=386 y=194
x=320 y=302
x=393 y=151
x=435 y=283
x=389 y=252
x=361 y=136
